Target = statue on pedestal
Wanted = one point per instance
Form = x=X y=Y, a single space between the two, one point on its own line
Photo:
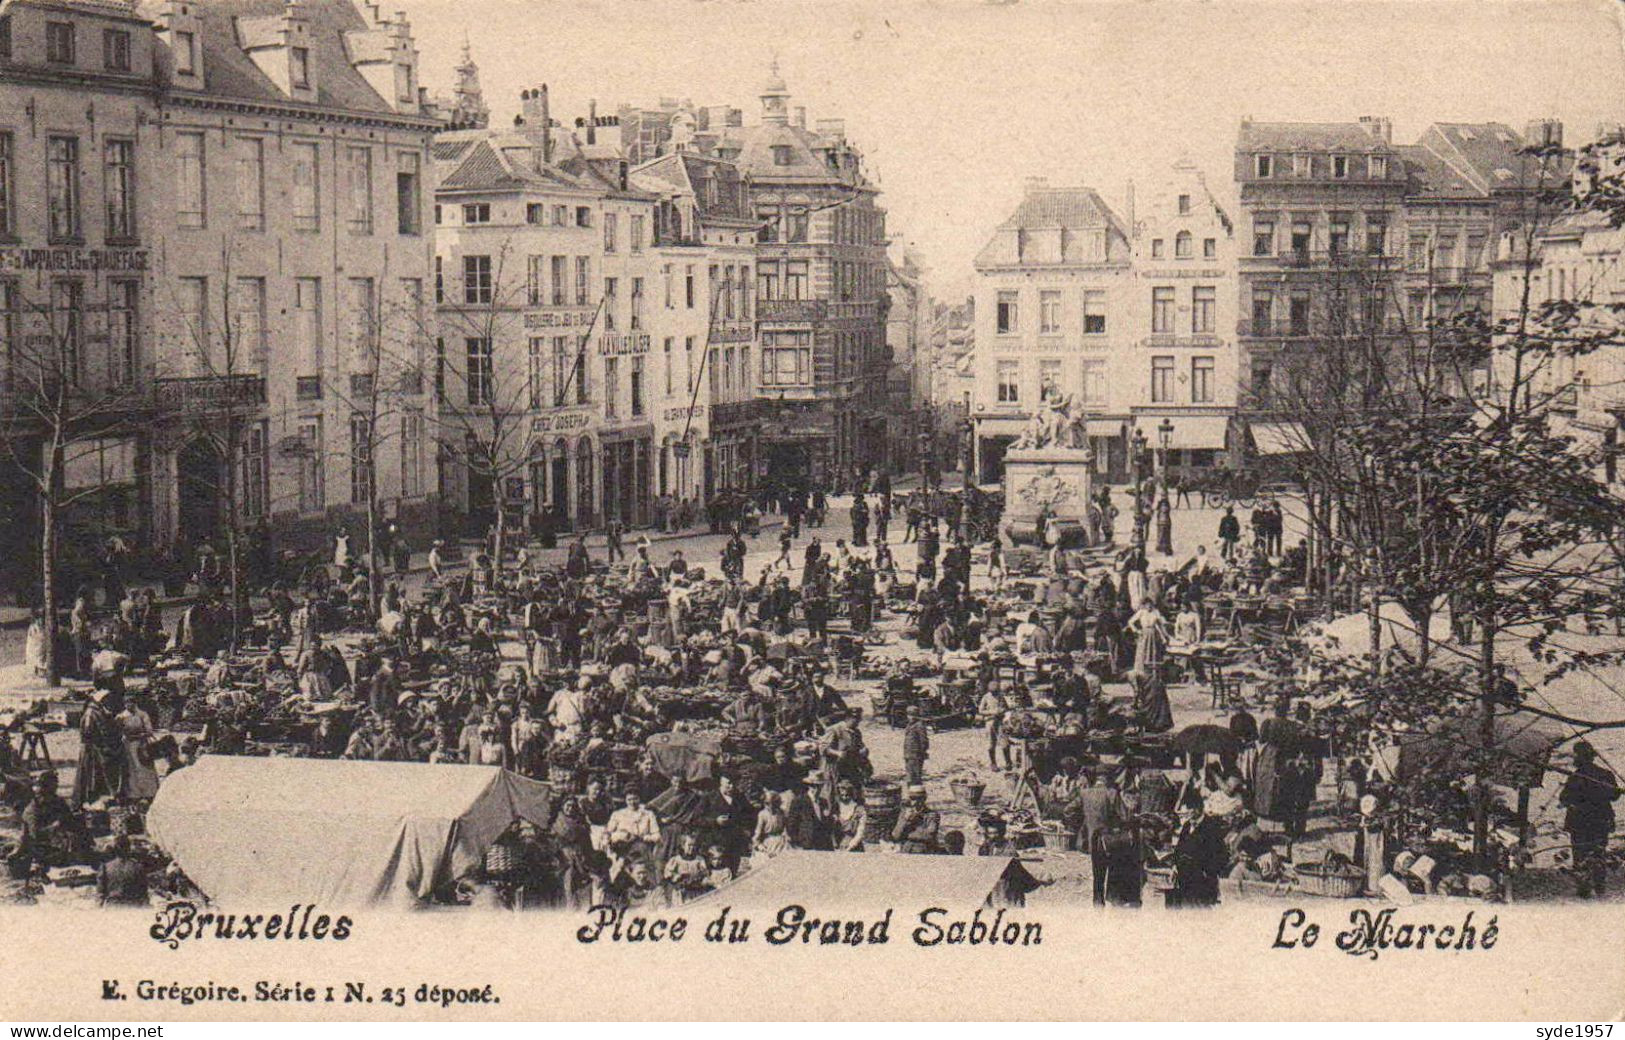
x=1058 y=422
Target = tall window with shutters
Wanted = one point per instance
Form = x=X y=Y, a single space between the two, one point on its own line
x=307 y=187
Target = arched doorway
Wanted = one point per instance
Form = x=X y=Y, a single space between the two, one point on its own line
x=198 y=482
x=560 y=484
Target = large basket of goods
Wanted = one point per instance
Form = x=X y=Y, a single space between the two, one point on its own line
x=969 y=792
x=1056 y=837
x=1335 y=877
x=1161 y=879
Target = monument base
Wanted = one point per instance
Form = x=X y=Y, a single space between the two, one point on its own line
x=1051 y=481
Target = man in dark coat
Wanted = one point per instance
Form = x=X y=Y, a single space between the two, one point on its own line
x=1588 y=798
x=860 y=522
x=1199 y=858
x=1229 y=532
x=916 y=746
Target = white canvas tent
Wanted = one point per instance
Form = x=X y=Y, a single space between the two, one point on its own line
x=261 y=830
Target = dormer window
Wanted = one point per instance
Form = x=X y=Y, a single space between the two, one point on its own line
x=1379 y=167
x=781 y=155
x=1263 y=165
x=5 y=37
x=1302 y=166
x=299 y=67
x=185 y=54
x=1340 y=166
x=59 y=43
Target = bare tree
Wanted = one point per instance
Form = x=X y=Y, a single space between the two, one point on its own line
x=485 y=398
x=216 y=388
x=59 y=407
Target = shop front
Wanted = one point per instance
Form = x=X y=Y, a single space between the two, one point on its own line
x=559 y=482
x=627 y=454
x=1193 y=446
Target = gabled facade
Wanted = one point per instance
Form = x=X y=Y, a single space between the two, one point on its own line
x=1183 y=372
x=1053 y=306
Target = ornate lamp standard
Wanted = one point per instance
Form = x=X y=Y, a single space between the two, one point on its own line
x=1165 y=520
x=1137 y=447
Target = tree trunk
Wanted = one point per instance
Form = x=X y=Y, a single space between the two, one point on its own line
x=1373 y=619
x=53 y=670
x=374 y=565
x=499 y=542
x=1486 y=694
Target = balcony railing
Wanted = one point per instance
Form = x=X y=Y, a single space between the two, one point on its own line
x=734 y=413
x=791 y=310
x=209 y=393
x=1350 y=258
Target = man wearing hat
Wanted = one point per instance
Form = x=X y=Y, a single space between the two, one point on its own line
x=916 y=745
x=917 y=826
x=1589 y=797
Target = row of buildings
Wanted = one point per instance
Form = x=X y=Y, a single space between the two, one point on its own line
x=250 y=265
x=1177 y=313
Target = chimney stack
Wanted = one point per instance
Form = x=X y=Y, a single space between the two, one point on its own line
x=1379 y=127
x=801 y=116
x=1032 y=184
x=592 y=121
x=1541 y=132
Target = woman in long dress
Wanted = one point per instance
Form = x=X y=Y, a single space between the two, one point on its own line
x=140 y=778
x=771 y=837
x=34 y=649
x=1151 y=638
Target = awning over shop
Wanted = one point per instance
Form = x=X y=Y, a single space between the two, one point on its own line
x=843 y=879
x=1105 y=428
x=1279 y=438
x=1191 y=432
x=256 y=831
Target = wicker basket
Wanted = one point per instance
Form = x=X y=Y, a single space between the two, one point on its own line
x=1056 y=839
x=1161 y=879
x=1338 y=884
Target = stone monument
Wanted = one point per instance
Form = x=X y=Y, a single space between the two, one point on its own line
x=1049 y=471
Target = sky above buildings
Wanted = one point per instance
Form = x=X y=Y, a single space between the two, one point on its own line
x=954 y=103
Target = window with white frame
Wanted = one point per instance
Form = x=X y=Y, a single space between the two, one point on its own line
x=1203 y=300
x=477 y=288
x=307 y=188
x=786 y=359
x=118 y=188
x=1049 y=312
x=1007 y=317
x=1201 y=380
x=251 y=184
x=62 y=188
x=1162 y=310
x=1008 y=376
x=123 y=329
x=360 y=215
x=1094 y=312
x=1162 y=380
x=1094 y=381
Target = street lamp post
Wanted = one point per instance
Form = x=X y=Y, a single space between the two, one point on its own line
x=1137 y=446
x=1165 y=521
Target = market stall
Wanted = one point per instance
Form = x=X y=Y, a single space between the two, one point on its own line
x=249 y=831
